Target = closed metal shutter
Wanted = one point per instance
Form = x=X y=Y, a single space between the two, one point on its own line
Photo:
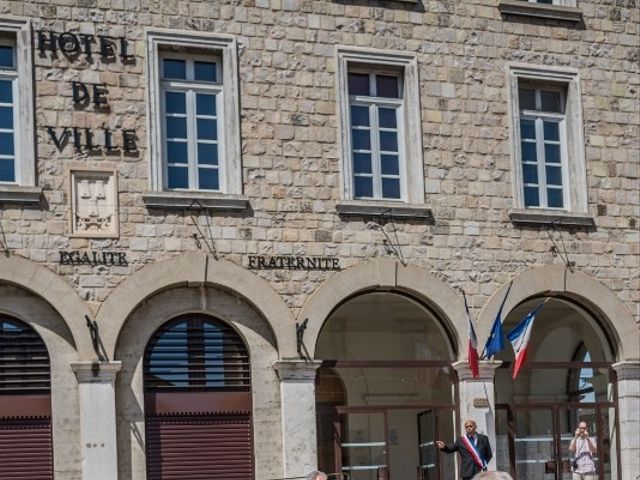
x=26 y=446
x=198 y=402
x=26 y=451
x=212 y=447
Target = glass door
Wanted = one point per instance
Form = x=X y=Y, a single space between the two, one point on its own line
x=363 y=444
x=427 y=445
x=534 y=444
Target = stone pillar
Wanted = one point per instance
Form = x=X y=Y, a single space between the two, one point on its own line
x=98 y=446
x=298 y=399
x=628 y=374
x=477 y=400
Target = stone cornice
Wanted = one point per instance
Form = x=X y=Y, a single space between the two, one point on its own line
x=297 y=370
x=96 y=372
x=627 y=370
x=487 y=371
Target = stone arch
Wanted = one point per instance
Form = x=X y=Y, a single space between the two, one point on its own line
x=577 y=286
x=386 y=275
x=54 y=290
x=196 y=269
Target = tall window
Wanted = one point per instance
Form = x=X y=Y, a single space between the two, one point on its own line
x=375 y=105
x=8 y=111
x=542 y=137
x=548 y=151
x=380 y=126
x=191 y=94
x=17 y=125
x=194 y=135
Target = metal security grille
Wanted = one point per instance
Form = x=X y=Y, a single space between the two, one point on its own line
x=198 y=402
x=26 y=447
x=24 y=360
x=195 y=352
x=215 y=447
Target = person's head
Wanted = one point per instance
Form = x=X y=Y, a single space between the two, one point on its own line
x=316 y=475
x=470 y=427
x=493 y=476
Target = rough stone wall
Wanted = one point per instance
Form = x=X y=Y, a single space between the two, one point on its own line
x=290 y=138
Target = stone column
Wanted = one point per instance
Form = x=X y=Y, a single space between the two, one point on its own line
x=298 y=399
x=477 y=400
x=628 y=374
x=98 y=446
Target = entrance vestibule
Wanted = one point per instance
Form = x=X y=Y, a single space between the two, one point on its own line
x=386 y=390
x=568 y=378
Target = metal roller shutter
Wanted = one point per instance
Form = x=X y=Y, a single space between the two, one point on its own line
x=26 y=445
x=213 y=447
x=26 y=451
x=198 y=402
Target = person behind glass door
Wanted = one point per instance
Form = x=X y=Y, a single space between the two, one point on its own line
x=583 y=448
x=474 y=449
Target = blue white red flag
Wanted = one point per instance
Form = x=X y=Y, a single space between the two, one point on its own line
x=520 y=336
x=472 y=352
x=495 y=343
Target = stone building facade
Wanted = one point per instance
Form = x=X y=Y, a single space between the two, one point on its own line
x=175 y=158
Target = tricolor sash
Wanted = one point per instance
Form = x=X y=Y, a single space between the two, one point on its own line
x=475 y=454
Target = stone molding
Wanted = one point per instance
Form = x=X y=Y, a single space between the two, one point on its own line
x=487 y=371
x=297 y=370
x=577 y=286
x=191 y=269
x=54 y=290
x=627 y=370
x=384 y=274
x=182 y=200
x=387 y=210
x=551 y=218
x=20 y=194
x=96 y=372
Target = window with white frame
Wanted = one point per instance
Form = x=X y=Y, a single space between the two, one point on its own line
x=563 y=3
x=8 y=111
x=375 y=111
x=17 y=161
x=548 y=145
x=194 y=113
x=380 y=126
x=543 y=145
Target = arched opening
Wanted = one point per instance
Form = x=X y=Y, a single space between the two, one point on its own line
x=197 y=387
x=386 y=389
x=568 y=378
x=26 y=448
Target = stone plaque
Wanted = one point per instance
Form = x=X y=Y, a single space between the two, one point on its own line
x=94 y=204
x=481 y=403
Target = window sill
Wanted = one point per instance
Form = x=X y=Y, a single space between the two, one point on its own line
x=20 y=194
x=551 y=217
x=540 y=10
x=208 y=201
x=396 y=210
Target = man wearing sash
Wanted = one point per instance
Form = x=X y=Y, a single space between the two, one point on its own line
x=474 y=449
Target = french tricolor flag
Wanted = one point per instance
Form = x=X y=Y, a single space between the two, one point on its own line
x=520 y=336
x=472 y=353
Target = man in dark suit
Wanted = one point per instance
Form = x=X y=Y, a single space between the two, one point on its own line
x=474 y=449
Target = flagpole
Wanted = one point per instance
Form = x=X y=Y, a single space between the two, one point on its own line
x=493 y=327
